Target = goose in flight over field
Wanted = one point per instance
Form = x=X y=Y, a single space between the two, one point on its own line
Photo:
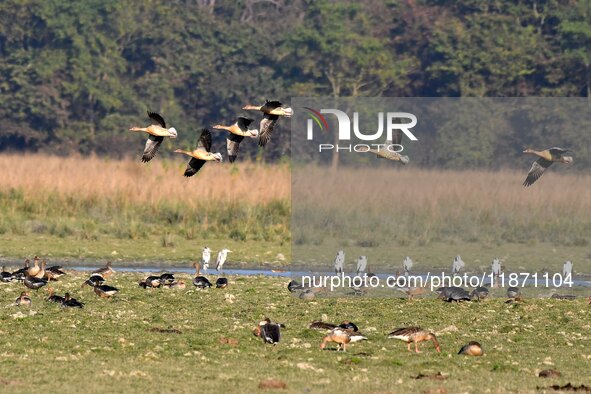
x=546 y=158
x=156 y=133
x=200 y=155
x=272 y=110
x=388 y=149
x=238 y=131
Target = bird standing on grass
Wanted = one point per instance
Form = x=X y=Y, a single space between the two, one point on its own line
x=414 y=335
x=268 y=332
x=201 y=154
x=105 y=271
x=205 y=258
x=339 y=262
x=222 y=255
x=272 y=110
x=342 y=336
x=236 y=134
x=156 y=133
x=546 y=158
x=200 y=281
x=457 y=265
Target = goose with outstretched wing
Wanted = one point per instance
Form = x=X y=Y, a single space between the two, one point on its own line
x=201 y=154
x=156 y=133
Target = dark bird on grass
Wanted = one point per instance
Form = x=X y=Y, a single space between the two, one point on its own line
x=156 y=133
x=221 y=283
x=151 y=282
x=307 y=294
x=105 y=291
x=513 y=292
x=105 y=271
x=272 y=110
x=167 y=279
x=54 y=272
x=94 y=280
x=564 y=297
x=389 y=150
x=453 y=293
x=294 y=286
x=414 y=335
x=200 y=281
x=5 y=276
x=268 y=332
x=236 y=134
x=21 y=273
x=53 y=297
x=70 y=302
x=201 y=154
x=342 y=336
x=346 y=325
x=479 y=293
x=23 y=299
x=546 y=158
x=34 y=283
x=473 y=348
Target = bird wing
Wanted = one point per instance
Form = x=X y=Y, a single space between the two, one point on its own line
x=557 y=151
x=233 y=145
x=243 y=122
x=271 y=105
x=193 y=167
x=151 y=148
x=157 y=118
x=405 y=331
x=267 y=126
x=537 y=170
x=204 y=140
x=320 y=325
x=271 y=333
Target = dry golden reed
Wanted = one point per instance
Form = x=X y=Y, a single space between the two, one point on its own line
x=157 y=181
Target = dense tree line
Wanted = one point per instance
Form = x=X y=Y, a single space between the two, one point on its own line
x=75 y=75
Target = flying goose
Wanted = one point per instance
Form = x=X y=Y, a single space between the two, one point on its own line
x=272 y=110
x=386 y=151
x=156 y=133
x=236 y=134
x=200 y=155
x=546 y=158
x=416 y=335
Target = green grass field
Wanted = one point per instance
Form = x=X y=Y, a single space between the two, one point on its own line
x=117 y=345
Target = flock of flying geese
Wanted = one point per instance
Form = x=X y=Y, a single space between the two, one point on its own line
x=272 y=110
x=157 y=131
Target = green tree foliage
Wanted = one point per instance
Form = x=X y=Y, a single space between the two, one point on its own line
x=74 y=76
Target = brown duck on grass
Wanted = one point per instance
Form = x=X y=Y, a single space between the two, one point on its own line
x=236 y=134
x=342 y=336
x=156 y=133
x=105 y=271
x=414 y=335
x=201 y=154
x=23 y=299
x=546 y=158
x=272 y=110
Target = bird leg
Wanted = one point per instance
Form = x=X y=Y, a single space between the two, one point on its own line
x=417 y=347
x=409 y=347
